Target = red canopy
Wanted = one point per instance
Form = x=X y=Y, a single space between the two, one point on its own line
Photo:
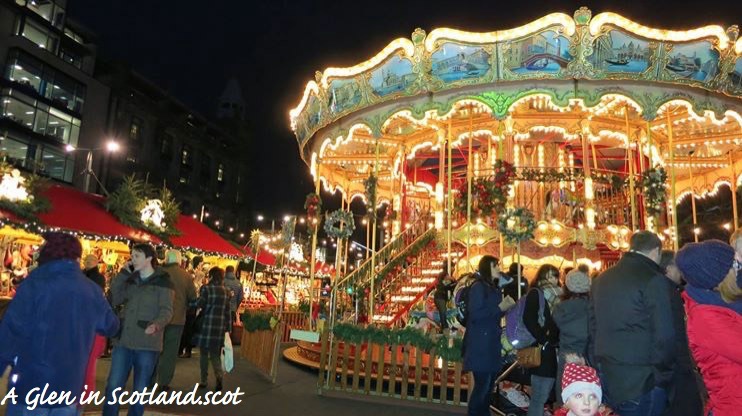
x=264 y=257
x=75 y=210
x=195 y=234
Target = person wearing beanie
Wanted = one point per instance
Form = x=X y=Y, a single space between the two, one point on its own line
x=714 y=326
x=571 y=317
x=581 y=391
x=684 y=394
x=632 y=339
x=184 y=294
x=48 y=329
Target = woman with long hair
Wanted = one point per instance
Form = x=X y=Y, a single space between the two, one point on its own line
x=213 y=300
x=537 y=319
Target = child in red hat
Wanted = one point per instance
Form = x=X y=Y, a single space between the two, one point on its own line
x=581 y=391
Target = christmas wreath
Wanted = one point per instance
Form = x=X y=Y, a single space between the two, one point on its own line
x=313 y=205
x=340 y=216
x=370 y=193
x=516 y=225
x=653 y=185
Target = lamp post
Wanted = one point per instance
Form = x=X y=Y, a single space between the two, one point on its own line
x=111 y=147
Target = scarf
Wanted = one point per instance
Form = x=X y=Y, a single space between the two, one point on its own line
x=711 y=297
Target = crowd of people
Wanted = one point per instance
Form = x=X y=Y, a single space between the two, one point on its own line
x=658 y=333
x=63 y=316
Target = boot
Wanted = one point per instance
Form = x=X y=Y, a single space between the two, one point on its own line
x=218 y=386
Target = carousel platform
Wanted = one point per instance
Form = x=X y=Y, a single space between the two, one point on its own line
x=308 y=355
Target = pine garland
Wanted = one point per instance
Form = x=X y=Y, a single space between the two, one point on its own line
x=410 y=251
x=256 y=321
x=354 y=334
x=370 y=185
x=36 y=202
x=653 y=184
x=128 y=200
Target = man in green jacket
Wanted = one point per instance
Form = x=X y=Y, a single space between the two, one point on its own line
x=146 y=294
x=185 y=294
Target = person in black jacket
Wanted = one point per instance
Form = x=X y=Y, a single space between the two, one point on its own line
x=684 y=394
x=632 y=339
x=92 y=271
x=443 y=289
x=510 y=287
x=540 y=324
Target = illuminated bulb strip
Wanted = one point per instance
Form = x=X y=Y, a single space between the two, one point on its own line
x=311 y=88
x=423 y=280
x=413 y=289
x=383 y=318
x=401 y=43
x=706 y=193
x=403 y=298
x=552 y=19
x=432 y=271
x=614 y=19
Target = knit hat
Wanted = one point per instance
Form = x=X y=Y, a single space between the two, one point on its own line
x=704 y=265
x=59 y=246
x=578 y=282
x=577 y=378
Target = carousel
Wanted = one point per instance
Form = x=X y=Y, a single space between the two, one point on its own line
x=547 y=143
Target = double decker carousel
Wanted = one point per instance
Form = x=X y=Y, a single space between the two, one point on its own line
x=596 y=125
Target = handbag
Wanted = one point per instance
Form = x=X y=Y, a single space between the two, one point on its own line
x=529 y=357
x=227 y=354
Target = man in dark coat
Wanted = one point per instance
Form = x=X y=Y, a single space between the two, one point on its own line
x=632 y=339
x=509 y=283
x=482 y=345
x=93 y=272
x=47 y=332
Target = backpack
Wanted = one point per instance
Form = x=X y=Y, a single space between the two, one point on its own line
x=461 y=297
x=518 y=335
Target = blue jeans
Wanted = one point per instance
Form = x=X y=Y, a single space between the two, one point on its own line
x=21 y=410
x=479 y=399
x=122 y=361
x=540 y=392
x=651 y=403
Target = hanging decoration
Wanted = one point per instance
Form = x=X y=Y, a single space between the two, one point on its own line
x=137 y=205
x=483 y=197
x=313 y=205
x=516 y=225
x=370 y=193
x=654 y=182
x=21 y=195
x=390 y=214
x=338 y=217
x=553 y=175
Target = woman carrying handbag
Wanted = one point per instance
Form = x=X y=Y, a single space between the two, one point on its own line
x=213 y=300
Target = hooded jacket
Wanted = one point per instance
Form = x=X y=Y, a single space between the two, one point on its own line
x=49 y=328
x=145 y=301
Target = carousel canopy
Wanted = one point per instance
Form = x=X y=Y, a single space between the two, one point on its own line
x=195 y=234
x=78 y=211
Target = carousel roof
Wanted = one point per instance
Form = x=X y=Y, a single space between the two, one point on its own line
x=547 y=85
x=72 y=209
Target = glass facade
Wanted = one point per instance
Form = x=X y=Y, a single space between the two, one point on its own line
x=39 y=117
x=43 y=159
x=47 y=9
x=41 y=36
x=46 y=81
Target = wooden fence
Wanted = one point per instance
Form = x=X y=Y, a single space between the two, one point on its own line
x=394 y=371
x=292 y=320
x=261 y=348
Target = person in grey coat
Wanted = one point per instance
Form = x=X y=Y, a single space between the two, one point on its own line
x=571 y=316
x=146 y=293
x=233 y=285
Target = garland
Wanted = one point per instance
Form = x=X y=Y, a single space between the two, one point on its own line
x=406 y=336
x=34 y=203
x=484 y=197
x=370 y=193
x=313 y=205
x=553 y=175
x=339 y=216
x=653 y=185
x=257 y=321
x=516 y=225
x=390 y=214
x=131 y=197
x=412 y=250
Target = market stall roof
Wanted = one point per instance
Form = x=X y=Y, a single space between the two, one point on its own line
x=264 y=257
x=79 y=211
x=195 y=234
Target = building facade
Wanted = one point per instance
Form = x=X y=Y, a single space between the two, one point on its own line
x=49 y=99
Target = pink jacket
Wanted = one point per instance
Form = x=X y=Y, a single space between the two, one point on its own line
x=715 y=337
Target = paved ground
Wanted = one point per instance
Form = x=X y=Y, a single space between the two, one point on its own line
x=293 y=394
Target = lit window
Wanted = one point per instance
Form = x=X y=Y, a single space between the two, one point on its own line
x=220 y=173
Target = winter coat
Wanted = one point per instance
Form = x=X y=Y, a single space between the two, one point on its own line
x=684 y=395
x=145 y=302
x=50 y=326
x=570 y=317
x=546 y=333
x=95 y=275
x=632 y=340
x=443 y=290
x=482 y=346
x=715 y=336
x=216 y=315
x=511 y=288
x=184 y=292
x=234 y=285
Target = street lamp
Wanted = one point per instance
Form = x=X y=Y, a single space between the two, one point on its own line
x=111 y=146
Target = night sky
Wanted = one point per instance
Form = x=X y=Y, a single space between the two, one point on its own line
x=191 y=48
